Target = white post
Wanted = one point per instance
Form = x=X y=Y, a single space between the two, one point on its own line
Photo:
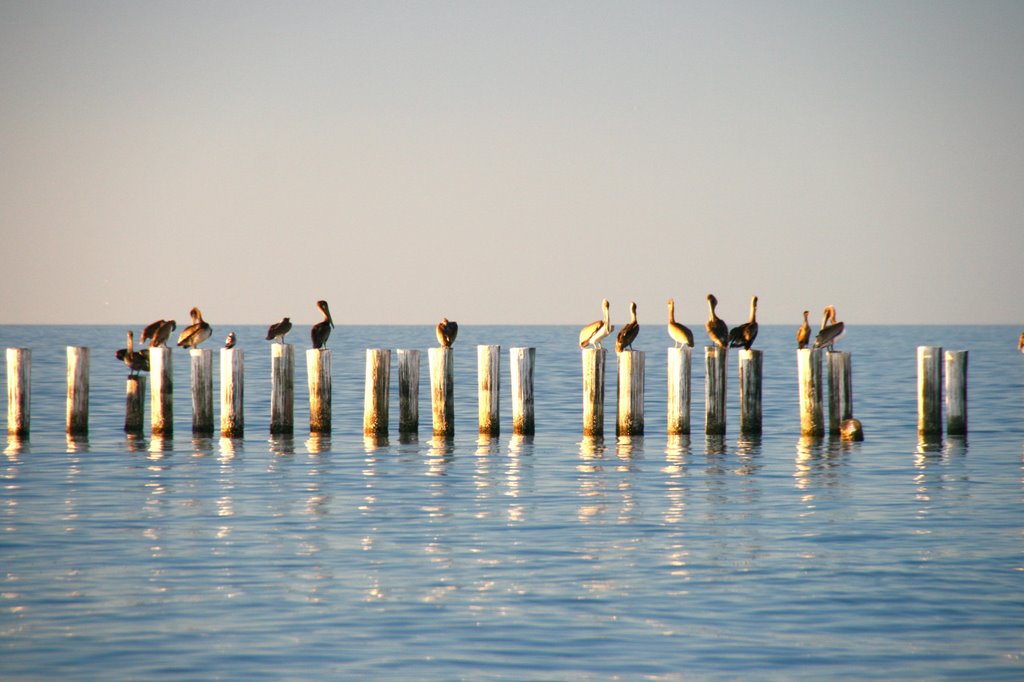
x=812 y=417
x=408 y=391
x=521 y=363
x=19 y=391
x=593 y=391
x=956 y=392
x=202 y=391
x=442 y=390
x=929 y=390
x=134 y=404
x=840 y=389
x=715 y=382
x=630 y=417
x=78 y=391
x=232 y=392
x=679 y=372
x=488 y=373
x=376 y=392
x=318 y=370
x=161 y=405
x=750 y=363
x=282 y=388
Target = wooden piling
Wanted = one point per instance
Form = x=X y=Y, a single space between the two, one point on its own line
x=442 y=390
x=282 y=388
x=135 y=404
x=593 y=391
x=929 y=390
x=202 y=391
x=715 y=382
x=78 y=391
x=19 y=391
x=488 y=372
x=840 y=389
x=521 y=362
x=750 y=365
x=630 y=415
x=376 y=392
x=232 y=392
x=161 y=404
x=679 y=372
x=956 y=392
x=318 y=371
x=408 y=391
x=808 y=367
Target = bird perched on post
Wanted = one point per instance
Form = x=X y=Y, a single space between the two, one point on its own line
x=1020 y=344
x=628 y=332
x=278 y=331
x=321 y=331
x=137 y=361
x=680 y=333
x=197 y=332
x=229 y=342
x=596 y=331
x=743 y=336
x=803 y=334
x=158 y=332
x=447 y=330
x=831 y=331
x=716 y=327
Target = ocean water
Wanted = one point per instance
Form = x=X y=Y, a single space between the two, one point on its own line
x=546 y=558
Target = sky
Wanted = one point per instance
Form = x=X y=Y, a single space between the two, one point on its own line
x=511 y=162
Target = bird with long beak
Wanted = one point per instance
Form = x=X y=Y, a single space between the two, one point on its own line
x=598 y=330
x=279 y=330
x=197 y=332
x=831 y=330
x=629 y=331
x=743 y=336
x=321 y=331
x=718 y=330
x=680 y=333
x=803 y=334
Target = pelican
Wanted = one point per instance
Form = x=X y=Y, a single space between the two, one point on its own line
x=718 y=330
x=230 y=341
x=321 y=331
x=149 y=331
x=596 y=331
x=447 y=330
x=743 y=336
x=680 y=333
x=278 y=331
x=628 y=332
x=158 y=332
x=1020 y=344
x=803 y=334
x=197 y=332
x=136 y=360
x=831 y=331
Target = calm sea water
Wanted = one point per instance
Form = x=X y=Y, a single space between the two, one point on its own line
x=543 y=558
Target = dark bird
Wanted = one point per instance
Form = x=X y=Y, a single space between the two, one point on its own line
x=321 y=331
x=803 y=334
x=628 y=332
x=278 y=331
x=158 y=332
x=680 y=333
x=137 y=361
x=831 y=331
x=743 y=336
x=230 y=341
x=596 y=331
x=447 y=330
x=718 y=330
x=197 y=332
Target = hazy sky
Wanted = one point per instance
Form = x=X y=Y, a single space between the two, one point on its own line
x=511 y=162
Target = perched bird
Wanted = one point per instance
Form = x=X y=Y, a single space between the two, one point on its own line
x=743 y=336
x=831 y=331
x=278 y=331
x=197 y=332
x=137 y=361
x=680 y=333
x=628 y=332
x=321 y=331
x=718 y=330
x=158 y=332
x=230 y=341
x=596 y=331
x=447 y=330
x=1020 y=344
x=803 y=334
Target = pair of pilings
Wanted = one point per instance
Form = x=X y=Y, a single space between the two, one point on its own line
x=840 y=391
x=19 y=382
x=929 y=391
x=630 y=391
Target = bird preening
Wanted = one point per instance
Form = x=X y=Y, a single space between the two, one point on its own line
x=277 y=332
x=446 y=332
x=831 y=330
x=197 y=332
x=321 y=331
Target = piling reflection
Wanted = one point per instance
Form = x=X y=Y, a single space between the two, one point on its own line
x=748 y=450
x=592 y=484
x=229 y=448
x=677 y=451
x=202 y=446
x=16 y=445
x=77 y=443
x=318 y=443
x=818 y=462
x=714 y=445
x=135 y=442
x=160 y=446
x=518 y=465
x=439 y=455
x=282 y=445
x=375 y=443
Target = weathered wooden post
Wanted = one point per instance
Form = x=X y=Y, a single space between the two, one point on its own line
x=521 y=364
x=202 y=391
x=956 y=392
x=593 y=391
x=715 y=382
x=19 y=391
x=929 y=390
x=750 y=363
x=282 y=388
x=161 y=404
x=630 y=417
x=134 y=404
x=808 y=369
x=318 y=370
x=488 y=373
x=232 y=392
x=442 y=390
x=408 y=391
x=376 y=392
x=78 y=391
x=840 y=389
x=679 y=372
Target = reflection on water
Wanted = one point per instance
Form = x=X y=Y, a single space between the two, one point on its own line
x=318 y=442
x=16 y=445
x=819 y=462
x=282 y=445
x=77 y=443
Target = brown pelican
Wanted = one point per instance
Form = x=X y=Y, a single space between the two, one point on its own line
x=278 y=331
x=596 y=331
x=321 y=331
x=158 y=332
x=680 y=333
x=197 y=332
x=718 y=330
x=743 y=336
x=447 y=330
x=831 y=331
x=230 y=341
x=136 y=360
x=803 y=334
x=1020 y=344
x=628 y=332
